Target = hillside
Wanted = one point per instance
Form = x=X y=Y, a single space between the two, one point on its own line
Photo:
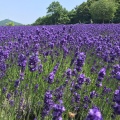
x=3 y=22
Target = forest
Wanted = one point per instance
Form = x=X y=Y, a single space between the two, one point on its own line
x=92 y=11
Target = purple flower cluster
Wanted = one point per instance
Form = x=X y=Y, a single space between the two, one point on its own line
x=116 y=100
x=51 y=78
x=86 y=100
x=87 y=47
x=17 y=82
x=51 y=75
x=48 y=103
x=33 y=63
x=80 y=61
x=22 y=61
x=58 y=93
x=3 y=68
x=116 y=72
x=58 y=109
x=87 y=81
x=81 y=79
x=94 y=114
x=76 y=98
x=69 y=73
x=93 y=94
x=55 y=69
x=101 y=76
x=40 y=68
x=106 y=90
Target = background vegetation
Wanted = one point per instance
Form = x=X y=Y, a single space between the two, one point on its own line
x=9 y=23
x=92 y=11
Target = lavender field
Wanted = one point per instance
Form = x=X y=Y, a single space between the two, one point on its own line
x=60 y=72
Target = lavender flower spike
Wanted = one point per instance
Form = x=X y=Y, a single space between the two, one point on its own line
x=94 y=114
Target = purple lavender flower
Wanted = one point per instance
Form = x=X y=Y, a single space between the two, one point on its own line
x=117 y=75
x=21 y=75
x=17 y=82
x=36 y=87
x=101 y=74
x=77 y=86
x=81 y=79
x=58 y=109
x=94 y=114
x=62 y=42
x=58 y=93
x=8 y=96
x=85 y=106
x=4 y=89
x=16 y=93
x=35 y=48
x=37 y=31
x=51 y=77
x=116 y=109
x=116 y=97
x=6 y=54
x=66 y=51
x=76 y=97
x=98 y=84
x=22 y=62
x=115 y=72
x=86 y=99
x=68 y=73
x=80 y=61
x=48 y=103
x=51 y=45
x=106 y=90
x=74 y=72
x=55 y=68
x=116 y=100
x=33 y=63
x=40 y=68
x=93 y=69
x=3 y=68
x=11 y=102
x=87 y=81
x=93 y=94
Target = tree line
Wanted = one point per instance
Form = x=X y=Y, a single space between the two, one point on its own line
x=92 y=11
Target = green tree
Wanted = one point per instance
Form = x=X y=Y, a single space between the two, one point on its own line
x=72 y=16
x=55 y=10
x=117 y=13
x=45 y=20
x=83 y=13
x=90 y=2
x=54 y=7
x=117 y=1
x=103 y=10
x=64 y=18
x=10 y=24
x=38 y=21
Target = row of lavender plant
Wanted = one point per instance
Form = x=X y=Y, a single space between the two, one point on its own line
x=60 y=72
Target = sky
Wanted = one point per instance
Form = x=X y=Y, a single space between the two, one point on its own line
x=27 y=11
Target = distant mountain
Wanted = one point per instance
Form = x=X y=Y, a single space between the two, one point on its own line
x=3 y=22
